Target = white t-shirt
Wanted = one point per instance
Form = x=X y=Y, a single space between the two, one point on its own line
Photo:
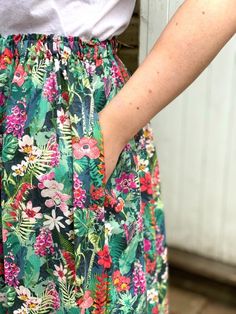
x=85 y=18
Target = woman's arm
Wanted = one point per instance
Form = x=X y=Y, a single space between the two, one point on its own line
x=193 y=37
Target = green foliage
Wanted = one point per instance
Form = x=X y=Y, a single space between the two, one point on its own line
x=38 y=73
x=127 y=301
x=128 y=256
x=68 y=294
x=10 y=145
x=93 y=171
x=24 y=228
x=66 y=244
x=117 y=245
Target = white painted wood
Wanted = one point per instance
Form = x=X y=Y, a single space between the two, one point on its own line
x=195 y=137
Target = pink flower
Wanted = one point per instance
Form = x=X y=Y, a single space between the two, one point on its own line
x=11 y=271
x=44 y=243
x=139 y=278
x=51 y=290
x=159 y=244
x=60 y=272
x=4 y=235
x=44 y=177
x=125 y=182
x=31 y=212
x=57 y=198
x=86 y=146
x=2 y=99
x=15 y=121
x=79 y=193
x=86 y=301
x=147 y=244
x=50 y=90
x=19 y=75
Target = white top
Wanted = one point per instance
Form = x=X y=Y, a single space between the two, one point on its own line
x=85 y=18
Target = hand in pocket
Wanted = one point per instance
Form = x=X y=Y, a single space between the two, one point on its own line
x=112 y=145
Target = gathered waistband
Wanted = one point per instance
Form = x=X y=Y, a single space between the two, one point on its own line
x=92 y=49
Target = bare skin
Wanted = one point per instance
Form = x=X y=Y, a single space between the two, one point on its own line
x=191 y=40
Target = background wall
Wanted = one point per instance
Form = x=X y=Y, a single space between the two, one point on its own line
x=196 y=141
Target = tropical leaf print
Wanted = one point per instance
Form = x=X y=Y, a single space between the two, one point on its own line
x=72 y=243
x=38 y=73
x=9 y=148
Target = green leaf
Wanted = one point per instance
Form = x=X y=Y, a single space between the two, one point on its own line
x=10 y=145
x=117 y=245
x=129 y=255
x=66 y=244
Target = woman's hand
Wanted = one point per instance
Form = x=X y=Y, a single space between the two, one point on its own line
x=113 y=143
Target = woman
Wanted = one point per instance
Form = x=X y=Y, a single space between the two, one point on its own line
x=81 y=214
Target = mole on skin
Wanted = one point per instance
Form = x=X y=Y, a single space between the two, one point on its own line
x=137 y=108
x=203 y=12
x=150 y=91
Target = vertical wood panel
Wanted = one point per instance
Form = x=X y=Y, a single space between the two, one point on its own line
x=195 y=138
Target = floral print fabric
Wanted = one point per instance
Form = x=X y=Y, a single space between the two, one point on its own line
x=71 y=243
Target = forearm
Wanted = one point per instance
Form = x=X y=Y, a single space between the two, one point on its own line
x=193 y=37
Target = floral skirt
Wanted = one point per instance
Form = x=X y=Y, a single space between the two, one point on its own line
x=70 y=242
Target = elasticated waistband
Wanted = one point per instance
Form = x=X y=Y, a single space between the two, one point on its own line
x=92 y=49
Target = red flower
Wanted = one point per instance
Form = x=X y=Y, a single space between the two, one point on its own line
x=110 y=199
x=96 y=194
x=104 y=257
x=19 y=75
x=5 y=58
x=65 y=96
x=155 y=310
x=150 y=266
x=70 y=262
x=120 y=282
x=146 y=183
x=17 y=38
x=25 y=187
x=119 y=207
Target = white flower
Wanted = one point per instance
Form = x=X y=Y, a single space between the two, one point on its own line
x=22 y=310
x=60 y=272
x=56 y=65
x=19 y=169
x=26 y=144
x=143 y=164
x=33 y=303
x=152 y=296
x=34 y=156
x=65 y=54
x=71 y=235
x=30 y=212
x=62 y=117
x=108 y=228
x=23 y=293
x=53 y=221
x=150 y=149
x=70 y=216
